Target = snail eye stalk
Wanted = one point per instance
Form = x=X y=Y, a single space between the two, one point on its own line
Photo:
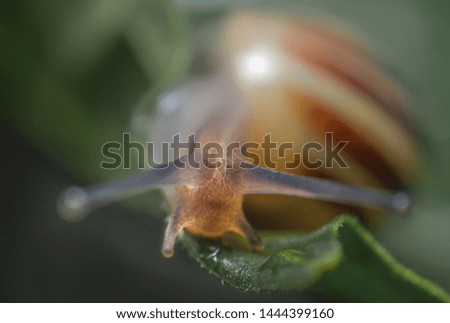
x=75 y=203
x=265 y=181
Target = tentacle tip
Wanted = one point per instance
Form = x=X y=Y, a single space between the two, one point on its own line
x=72 y=204
x=401 y=203
x=255 y=241
x=167 y=249
x=167 y=252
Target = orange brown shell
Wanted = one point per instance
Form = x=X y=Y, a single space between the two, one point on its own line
x=347 y=93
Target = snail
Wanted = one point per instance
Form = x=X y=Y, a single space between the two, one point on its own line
x=298 y=81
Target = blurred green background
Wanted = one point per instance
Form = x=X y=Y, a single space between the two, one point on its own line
x=74 y=74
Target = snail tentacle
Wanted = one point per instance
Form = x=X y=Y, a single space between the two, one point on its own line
x=265 y=181
x=75 y=202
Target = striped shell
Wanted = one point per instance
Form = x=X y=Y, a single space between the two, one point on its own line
x=303 y=78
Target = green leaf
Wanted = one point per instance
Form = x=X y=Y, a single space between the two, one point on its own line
x=368 y=273
x=342 y=257
x=288 y=261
